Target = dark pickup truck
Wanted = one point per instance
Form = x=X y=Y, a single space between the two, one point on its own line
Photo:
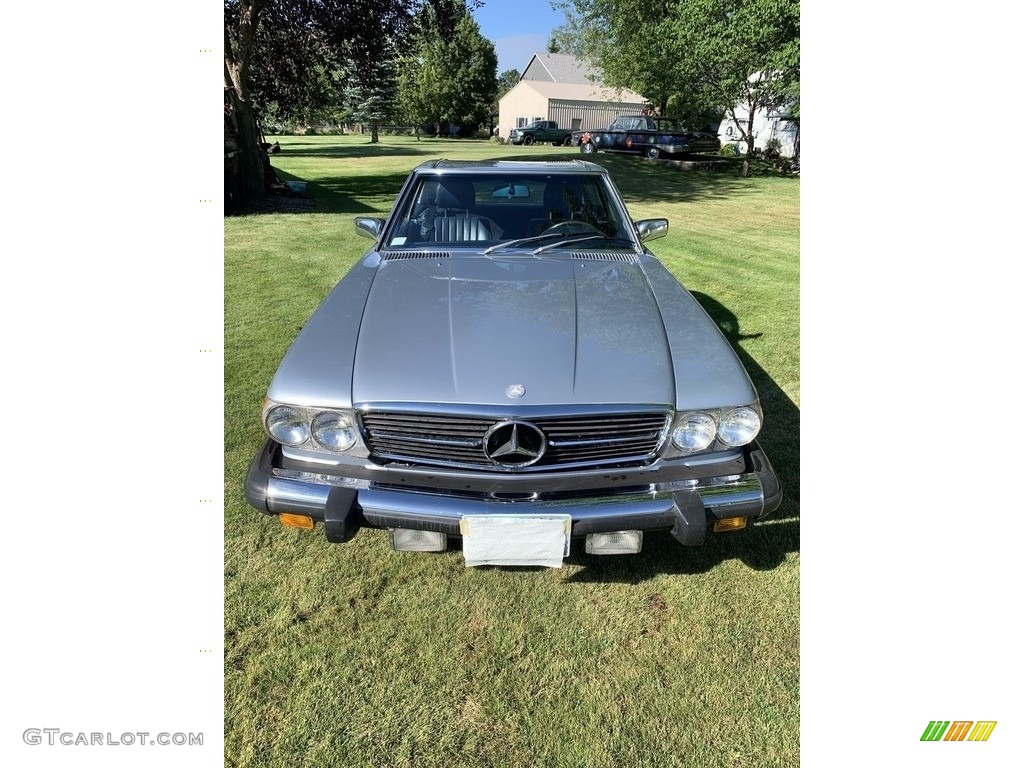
x=651 y=137
x=540 y=131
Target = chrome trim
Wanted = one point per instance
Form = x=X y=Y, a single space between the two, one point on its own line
x=426 y=505
x=511 y=411
x=431 y=440
x=620 y=462
x=730 y=496
x=512 y=447
x=602 y=440
x=549 y=420
x=299 y=496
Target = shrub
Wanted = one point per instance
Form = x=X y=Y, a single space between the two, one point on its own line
x=729 y=150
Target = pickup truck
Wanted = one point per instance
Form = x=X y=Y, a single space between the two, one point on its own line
x=540 y=131
x=651 y=137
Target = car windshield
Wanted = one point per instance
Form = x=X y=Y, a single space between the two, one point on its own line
x=495 y=209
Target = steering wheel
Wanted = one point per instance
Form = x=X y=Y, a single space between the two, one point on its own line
x=573 y=227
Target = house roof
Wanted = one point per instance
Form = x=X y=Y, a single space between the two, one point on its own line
x=556 y=68
x=582 y=92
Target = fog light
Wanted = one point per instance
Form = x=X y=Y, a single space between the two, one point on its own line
x=730 y=524
x=409 y=540
x=296 y=521
x=615 y=543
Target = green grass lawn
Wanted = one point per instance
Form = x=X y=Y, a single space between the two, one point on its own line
x=355 y=655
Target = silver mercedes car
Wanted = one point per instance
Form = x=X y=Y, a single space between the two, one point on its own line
x=510 y=369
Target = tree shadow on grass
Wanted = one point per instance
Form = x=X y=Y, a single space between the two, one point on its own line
x=647 y=181
x=346 y=151
x=639 y=180
x=336 y=194
x=763 y=546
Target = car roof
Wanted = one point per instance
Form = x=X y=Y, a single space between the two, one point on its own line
x=511 y=166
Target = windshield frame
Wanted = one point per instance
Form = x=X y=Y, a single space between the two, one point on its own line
x=599 y=199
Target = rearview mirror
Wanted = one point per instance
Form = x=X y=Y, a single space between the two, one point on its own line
x=511 y=190
x=651 y=229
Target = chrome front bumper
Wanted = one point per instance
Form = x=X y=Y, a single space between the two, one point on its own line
x=685 y=507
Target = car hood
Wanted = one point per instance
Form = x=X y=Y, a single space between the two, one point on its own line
x=466 y=329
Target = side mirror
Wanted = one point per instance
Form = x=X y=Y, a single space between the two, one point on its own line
x=369 y=226
x=651 y=229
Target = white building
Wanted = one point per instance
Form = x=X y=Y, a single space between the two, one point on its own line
x=768 y=125
x=556 y=86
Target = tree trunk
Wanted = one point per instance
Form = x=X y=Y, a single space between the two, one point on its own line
x=373 y=133
x=237 y=57
x=750 y=141
x=250 y=159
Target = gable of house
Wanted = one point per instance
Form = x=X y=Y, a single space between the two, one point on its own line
x=557 y=68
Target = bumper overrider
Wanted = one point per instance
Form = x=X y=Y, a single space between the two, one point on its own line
x=683 y=496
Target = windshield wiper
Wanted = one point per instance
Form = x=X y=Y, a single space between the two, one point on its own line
x=570 y=241
x=521 y=240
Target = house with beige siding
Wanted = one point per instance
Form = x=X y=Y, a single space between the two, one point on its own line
x=556 y=86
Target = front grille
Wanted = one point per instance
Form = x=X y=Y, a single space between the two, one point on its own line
x=593 y=440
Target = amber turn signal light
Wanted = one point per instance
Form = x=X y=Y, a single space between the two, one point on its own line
x=730 y=524
x=296 y=521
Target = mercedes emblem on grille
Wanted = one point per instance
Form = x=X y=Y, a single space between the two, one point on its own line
x=515 y=390
x=514 y=444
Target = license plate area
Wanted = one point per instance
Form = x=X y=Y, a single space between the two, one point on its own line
x=515 y=539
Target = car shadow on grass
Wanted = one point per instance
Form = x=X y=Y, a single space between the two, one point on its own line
x=763 y=546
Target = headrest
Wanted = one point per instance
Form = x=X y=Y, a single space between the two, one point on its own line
x=455 y=193
x=560 y=196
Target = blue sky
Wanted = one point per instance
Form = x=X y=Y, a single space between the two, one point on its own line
x=518 y=29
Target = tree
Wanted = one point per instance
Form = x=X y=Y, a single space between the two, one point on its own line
x=240 y=27
x=689 y=57
x=507 y=80
x=633 y=44
x=304 y=59
x=448 y=79
x=747 y=54
x=295 y=72
x=372 y=96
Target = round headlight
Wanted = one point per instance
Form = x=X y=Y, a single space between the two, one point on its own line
x=694 y=432
x=334 y=431
x=739 y=426
x=287 y=425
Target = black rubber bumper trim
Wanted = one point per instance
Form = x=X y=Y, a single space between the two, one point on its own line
x=258 y=476
x=691 y=520
x=342 y=518
x=770 y=486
